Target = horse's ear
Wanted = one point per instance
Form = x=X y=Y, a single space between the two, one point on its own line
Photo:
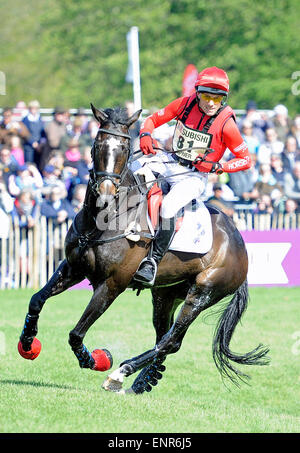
x=99 y=114
x=134 y=118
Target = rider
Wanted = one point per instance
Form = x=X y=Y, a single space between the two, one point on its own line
x=204 y=121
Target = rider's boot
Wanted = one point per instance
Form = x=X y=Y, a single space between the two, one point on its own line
x=147 y=270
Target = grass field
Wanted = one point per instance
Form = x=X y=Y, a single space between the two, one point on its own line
x=53 y=395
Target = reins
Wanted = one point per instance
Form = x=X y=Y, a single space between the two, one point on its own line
x=198 y=159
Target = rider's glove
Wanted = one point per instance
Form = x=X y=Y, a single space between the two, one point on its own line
x=217 y=168
x=146 y=144
x=207 y=167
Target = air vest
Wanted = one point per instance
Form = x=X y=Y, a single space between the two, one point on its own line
x=210 y=134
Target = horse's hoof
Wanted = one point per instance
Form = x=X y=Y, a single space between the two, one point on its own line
x=33 y=352
x=112 y=385
x=103 y=360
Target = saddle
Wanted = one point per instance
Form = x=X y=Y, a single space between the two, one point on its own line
x=154 y=199
x=193 y=224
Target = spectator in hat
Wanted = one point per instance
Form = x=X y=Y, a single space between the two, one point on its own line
x=227 y=192
x=252 y=114
x=35 y=125
x=56 y=128
x=218 y=200
x=281 y=121
x=82 y=115
x=51 y=179
x=76 y=134
x=260 y=122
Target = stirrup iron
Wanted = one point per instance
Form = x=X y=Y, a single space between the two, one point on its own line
x=154 y=264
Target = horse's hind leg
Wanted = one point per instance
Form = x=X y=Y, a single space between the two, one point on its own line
x=197 y=300
x=150 y=374
x=164 y=305
x=63 y=278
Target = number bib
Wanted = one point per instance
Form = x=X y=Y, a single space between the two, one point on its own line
x=186 y=137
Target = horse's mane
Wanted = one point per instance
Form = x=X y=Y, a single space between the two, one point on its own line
x=118 y=115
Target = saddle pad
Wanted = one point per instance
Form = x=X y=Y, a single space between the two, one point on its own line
x=195 y=233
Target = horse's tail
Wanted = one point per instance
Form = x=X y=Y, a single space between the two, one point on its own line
x=224 y=331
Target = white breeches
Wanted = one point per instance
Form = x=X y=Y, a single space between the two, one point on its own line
x=182 y=193
x=184 y=187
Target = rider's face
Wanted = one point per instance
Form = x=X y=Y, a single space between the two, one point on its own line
x=209 y=103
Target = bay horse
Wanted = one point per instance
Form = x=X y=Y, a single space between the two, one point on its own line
x=98 y=247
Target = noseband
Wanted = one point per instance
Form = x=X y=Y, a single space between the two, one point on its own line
x=104 y=174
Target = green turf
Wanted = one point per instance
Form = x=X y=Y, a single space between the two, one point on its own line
x=53 y=395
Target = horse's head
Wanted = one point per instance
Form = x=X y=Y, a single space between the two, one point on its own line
x=110 y=151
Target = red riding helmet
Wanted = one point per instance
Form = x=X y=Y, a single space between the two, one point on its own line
x=212 y=80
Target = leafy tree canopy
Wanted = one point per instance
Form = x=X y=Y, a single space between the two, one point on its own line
x=71 y=53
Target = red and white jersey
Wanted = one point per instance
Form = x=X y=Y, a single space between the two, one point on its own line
x=195 y=128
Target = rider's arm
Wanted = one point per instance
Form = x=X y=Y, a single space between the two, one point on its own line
x=158 y=119
x=234 y=141
x=162 y=116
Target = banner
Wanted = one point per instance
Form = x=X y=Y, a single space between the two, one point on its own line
x=273 y=257
x=189 y=78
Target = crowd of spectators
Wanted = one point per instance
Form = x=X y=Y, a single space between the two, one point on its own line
x=44 y=165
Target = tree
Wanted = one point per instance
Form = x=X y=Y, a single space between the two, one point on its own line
x=74 y=53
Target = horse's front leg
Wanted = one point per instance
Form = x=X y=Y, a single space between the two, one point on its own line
x=63 y=278
x=99 y=359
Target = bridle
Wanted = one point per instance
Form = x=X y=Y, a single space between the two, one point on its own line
x=104 y=175
x=87 y=239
